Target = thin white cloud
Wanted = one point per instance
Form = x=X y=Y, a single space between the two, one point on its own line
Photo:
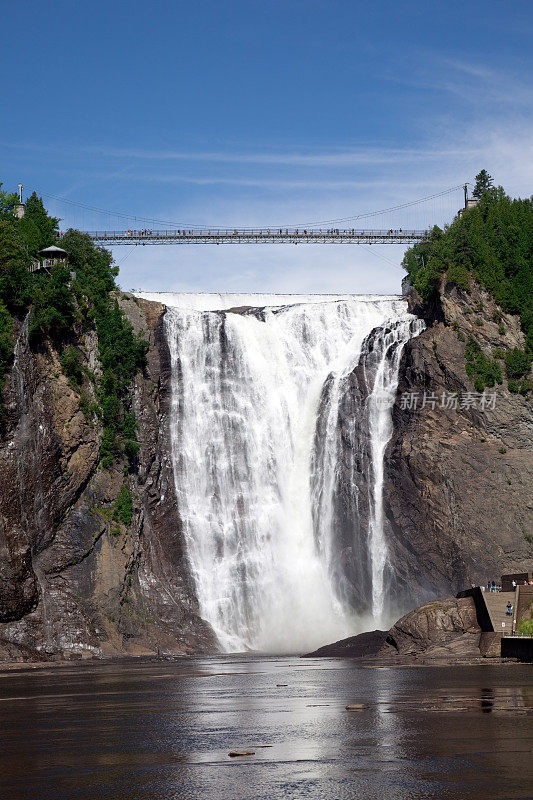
x=360 y=156
x=335 y=158
x=476 y=83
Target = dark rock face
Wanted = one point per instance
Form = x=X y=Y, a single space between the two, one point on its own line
x=457 y=482
x=440 y=629
x=363 y=645
x=446 y=629
x=72 y=582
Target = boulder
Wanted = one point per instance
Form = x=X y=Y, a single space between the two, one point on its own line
x=446 y=627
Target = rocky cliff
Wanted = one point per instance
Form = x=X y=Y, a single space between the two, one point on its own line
x=74 y=581
x=458 y=497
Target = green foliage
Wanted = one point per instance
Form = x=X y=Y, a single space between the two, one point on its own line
x=71 y=363
x=64 y=303
x=493 y=243
x=484 y=371
x=120 y=350
x=123 y=511
x=8 y=201
x=122 y=353
x=15 y=280
x=517 y=363
x=483 y=184
x=459 y=276
x=53 y=306
x=89 y=409
x=519 y=387
x=131 y=449
x=525 y=627
x=39 y=229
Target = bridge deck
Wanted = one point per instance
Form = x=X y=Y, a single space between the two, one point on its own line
x=255 y=236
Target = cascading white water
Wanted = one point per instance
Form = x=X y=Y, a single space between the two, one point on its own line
x=389 y=345
x=246 y=399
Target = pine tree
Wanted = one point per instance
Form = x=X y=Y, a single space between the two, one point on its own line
x=483 y=183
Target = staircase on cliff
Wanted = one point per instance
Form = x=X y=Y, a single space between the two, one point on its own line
x=496 y=604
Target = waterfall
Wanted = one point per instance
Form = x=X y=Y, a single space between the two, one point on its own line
x=258 y=434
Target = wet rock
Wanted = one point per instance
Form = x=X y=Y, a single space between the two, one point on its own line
x=440 y=629
x=73 y=584
x=443 y=629
x=457 y=494
x=365 y=644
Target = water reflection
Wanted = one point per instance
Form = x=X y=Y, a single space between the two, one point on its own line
x=487 y=700
x=144 y=730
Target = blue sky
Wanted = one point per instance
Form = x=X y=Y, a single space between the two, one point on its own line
x=263 y=113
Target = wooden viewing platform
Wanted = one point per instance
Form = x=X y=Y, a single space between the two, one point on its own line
x=258 y=236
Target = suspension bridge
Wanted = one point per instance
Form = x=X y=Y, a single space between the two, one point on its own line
x=418 y=218
x=257 y=236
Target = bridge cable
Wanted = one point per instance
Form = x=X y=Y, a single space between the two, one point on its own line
x=153 y=220
x=386 y=210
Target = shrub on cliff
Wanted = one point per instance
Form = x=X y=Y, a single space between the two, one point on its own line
x=517 y=363
x=123 y=511
x=71 y=364
x=484 y=371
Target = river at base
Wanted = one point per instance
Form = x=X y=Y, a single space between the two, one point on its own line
x=141 y=730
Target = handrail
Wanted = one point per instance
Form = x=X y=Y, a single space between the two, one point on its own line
x=258 y=235
x=258 y=232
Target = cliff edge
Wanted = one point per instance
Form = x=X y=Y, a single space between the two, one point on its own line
x=458 y=469
x=75 y=579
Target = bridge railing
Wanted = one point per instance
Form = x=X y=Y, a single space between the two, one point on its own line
x=275 y=233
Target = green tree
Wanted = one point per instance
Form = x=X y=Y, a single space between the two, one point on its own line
x=493 y=243
x=53 y=306
x=483 y=183
x=517 y=363
x=8 y=201
x=14 y=261
x=47 y=226
x=64 y=302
